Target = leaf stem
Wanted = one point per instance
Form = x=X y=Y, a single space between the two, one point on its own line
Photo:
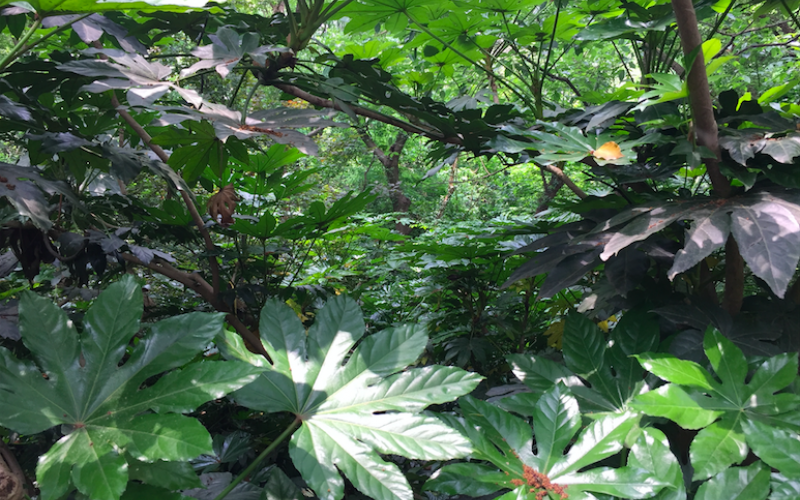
x=250 y=468
x=20 y=46
x=247 y=102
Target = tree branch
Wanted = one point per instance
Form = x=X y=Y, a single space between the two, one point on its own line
x=198 y=220
x=561 y=175
x=196 y=283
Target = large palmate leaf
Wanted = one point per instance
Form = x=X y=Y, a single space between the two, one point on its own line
x=730 y=410
x=78 y=383
x=766 y=226
x=226 y=50
x=507 y=442
x=614 y=377
x=355 y=410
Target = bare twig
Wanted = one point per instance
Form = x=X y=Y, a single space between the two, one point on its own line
x=761 y=45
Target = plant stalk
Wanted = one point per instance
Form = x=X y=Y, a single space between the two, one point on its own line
x=20 y=47
x=269 y=449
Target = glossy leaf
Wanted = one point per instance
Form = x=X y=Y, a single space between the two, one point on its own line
x=778 y=448
x=676 y=370
x=737 y=483
x=674 y=403
x=471 y=478
x=651 y=452
x=717 y=447
x=504 y=440
x=98 y=402
x=344 y=407
x=784 y=488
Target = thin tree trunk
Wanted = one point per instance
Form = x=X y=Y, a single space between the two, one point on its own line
x=451 y=188
x=391 y=167
x=706 y=133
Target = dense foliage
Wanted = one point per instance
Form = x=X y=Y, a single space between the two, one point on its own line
x=399 y=249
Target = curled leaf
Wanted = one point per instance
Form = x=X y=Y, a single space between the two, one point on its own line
x=222 y=205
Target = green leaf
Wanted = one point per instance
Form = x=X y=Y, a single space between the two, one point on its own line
x=137 y=491
x=784 y=488
x=676 y=370
x=651 y=452
x=98 y=401
x=555 y=422
x=280 y=487
x=344 y=405
x=510 y=434
x=674 y=403
x=470 y=479
x=540 y=374
x=737 y=483
x=601 y=439
x=505 y=441
x=729 y=364
x=716 y=448
x=584 y=346
x=774 y=374
x=103 y=479
x=168 y=475
x=778 y=448
x=625 y=482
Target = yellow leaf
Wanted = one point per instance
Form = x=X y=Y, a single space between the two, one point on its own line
x=555 y=334
x=608 y=151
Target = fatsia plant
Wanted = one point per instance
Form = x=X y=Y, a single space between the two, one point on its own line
x=351 y=406
x=734 y=413
x=80 y=382
x=614 y=377
x=507 y=443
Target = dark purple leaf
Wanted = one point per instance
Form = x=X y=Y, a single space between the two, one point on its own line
x=568 y=272
x=769 y=240
x=14 y=110
x=8 y=262
x=9 y=320
x=651 y=221
x=58 y=142
x=627 y=269
x=710 y=229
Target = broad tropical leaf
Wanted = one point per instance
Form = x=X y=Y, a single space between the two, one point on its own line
x=78 y=383
x=356 y=406
x=614 y=375
x=507 y=442
x=695 y=400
